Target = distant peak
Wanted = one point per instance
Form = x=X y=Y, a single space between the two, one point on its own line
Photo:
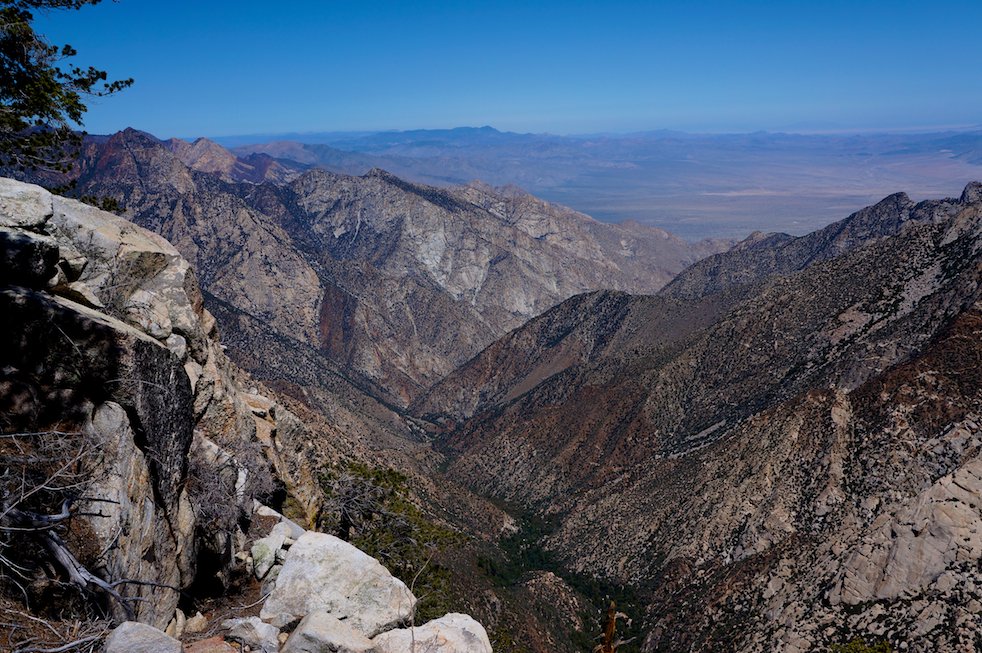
x=761 y=236
x=896 y=198
x=380 y=173
x=131 y=131
x=134 y=136
x=972 y=193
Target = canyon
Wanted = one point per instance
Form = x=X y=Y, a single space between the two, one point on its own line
x=770 y=444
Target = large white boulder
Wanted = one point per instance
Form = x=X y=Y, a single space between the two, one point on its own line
x=23 y=205
x=134 y=637
x=325 y=573
x=452 y=633
x=319 y=632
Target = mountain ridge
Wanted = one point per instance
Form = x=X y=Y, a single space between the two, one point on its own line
x=754 y=449
x=718 y=451
x=398 y=281
x=739 y=272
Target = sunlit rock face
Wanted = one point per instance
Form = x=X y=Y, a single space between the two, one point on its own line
x=109 y=346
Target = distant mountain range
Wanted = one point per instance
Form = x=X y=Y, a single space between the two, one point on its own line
x=395 y=282
x=694 y=185
x=768 y=445
x=780 y=450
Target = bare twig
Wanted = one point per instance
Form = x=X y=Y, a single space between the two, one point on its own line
x=66 y=647
x=33 y=618
x=251 y=605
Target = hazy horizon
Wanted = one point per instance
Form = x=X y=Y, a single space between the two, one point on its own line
x=789 y=131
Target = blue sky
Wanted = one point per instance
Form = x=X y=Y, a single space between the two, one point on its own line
x=214 y=67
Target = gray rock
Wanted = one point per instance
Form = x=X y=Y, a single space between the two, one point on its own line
x=80 y=293
x=134 y=637
x=23 y=205
x=452 y=633
x=282 y=532
x=113 y=291
x=72 y=261
x=131 y=379
x=320 y=632
x=178 y=345
x=325 y=573
x=903 y=553
x=252 y=632
x=972 y=193
x=266 y=550
x=269 y=582
x=263 y=556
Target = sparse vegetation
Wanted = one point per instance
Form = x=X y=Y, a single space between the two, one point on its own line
x=371 y=508
x=857 y=645
x=522 y=553
x=45 y=553
x=105 y=202
x=221 y=478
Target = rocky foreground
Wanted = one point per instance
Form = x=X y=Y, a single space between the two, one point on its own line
x=321 y=595
x=134 y=452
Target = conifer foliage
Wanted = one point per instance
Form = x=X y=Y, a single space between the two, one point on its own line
x=42 y=93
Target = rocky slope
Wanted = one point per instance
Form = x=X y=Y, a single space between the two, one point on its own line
x=397 y=283
x=264 y=292
x=132 y=448
x=120 y=357
x=204 y=155
x=763 y=255
x=778 y=450
x=582 y=328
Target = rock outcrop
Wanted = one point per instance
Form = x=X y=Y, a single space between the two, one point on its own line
x=325 y=574
x=113 y=361
x=99 y=370
x=109 y=344
x=337 y=599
